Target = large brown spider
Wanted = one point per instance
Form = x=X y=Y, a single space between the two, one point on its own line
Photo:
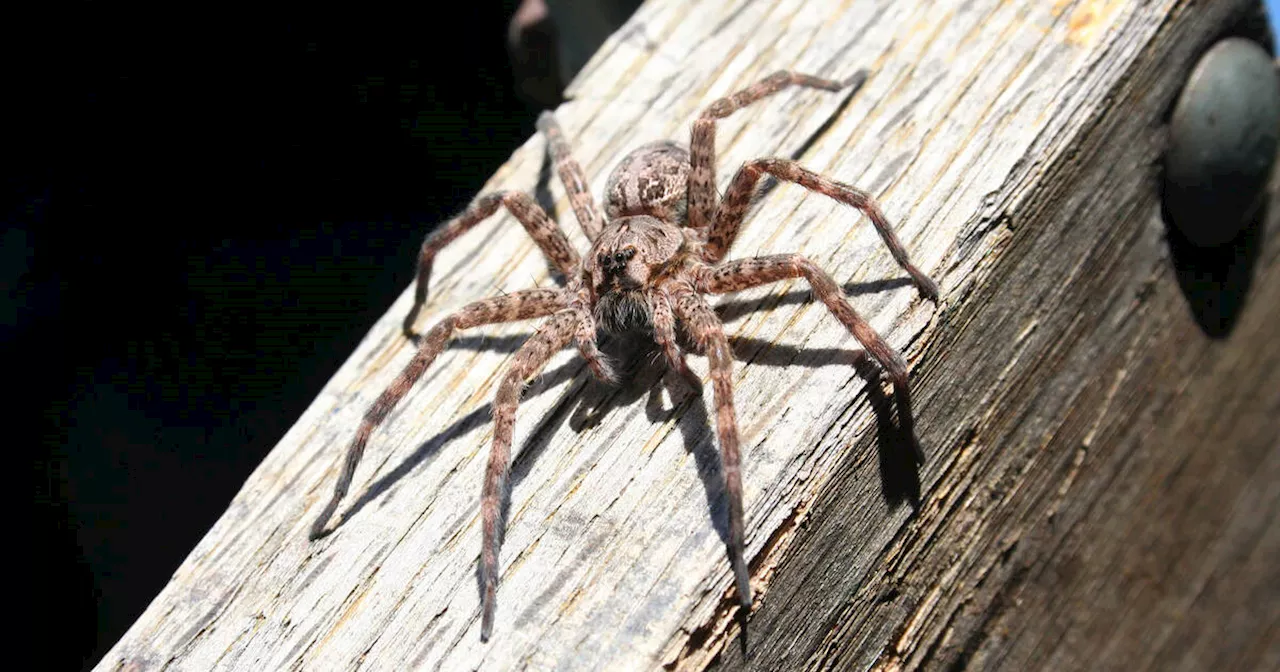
x=660 y=249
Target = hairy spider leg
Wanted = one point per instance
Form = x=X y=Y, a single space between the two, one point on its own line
x=664 y=332
x=708 y=332
x=572 y=177
x=557 y=332
x=544 y=231
x=522 y=305
x=745 y=273
x=703 y=197
x=585 y=336
x=732 y=210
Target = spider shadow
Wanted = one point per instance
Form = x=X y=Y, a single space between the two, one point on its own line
x=460 y=427
x=645 y=372
x=898 y=448
x=736 y=308
x=899 y=453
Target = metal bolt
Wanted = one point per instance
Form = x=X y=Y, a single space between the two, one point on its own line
x=1222 y=142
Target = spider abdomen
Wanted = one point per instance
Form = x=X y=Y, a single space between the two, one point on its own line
x=652 y=180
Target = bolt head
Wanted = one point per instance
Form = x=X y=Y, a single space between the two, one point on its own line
x=1223 y=138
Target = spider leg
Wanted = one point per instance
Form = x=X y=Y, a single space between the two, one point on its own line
x=664 y=332
x=729 y=216
x=703 y=198
x=585 y=335
x=571 y=175
x=744 y=273
x=553 y=335
x=708 y=331
x=544 y=231
x=520 y=305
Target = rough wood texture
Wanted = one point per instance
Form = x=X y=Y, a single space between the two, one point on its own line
x=1102 y=478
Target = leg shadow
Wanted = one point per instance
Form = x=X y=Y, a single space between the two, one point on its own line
x=644 y=369
x=458 y=428
x=733 y=309
x=897 y=447
x=506 y=345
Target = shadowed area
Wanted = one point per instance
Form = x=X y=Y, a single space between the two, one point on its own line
x=645 y=374
x=1215 y=280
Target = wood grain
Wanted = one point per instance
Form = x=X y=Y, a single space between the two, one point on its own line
x=1102 y=475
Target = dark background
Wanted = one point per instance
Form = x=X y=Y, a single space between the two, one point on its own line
x=205 y=209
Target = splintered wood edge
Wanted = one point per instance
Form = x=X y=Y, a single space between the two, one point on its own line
x=611 y=557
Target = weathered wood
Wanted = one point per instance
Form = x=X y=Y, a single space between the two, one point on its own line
x=1103 y=477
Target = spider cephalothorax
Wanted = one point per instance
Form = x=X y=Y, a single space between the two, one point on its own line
x=661 y=249
x=633 y=255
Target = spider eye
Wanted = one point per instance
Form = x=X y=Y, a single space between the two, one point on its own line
x=618 y=257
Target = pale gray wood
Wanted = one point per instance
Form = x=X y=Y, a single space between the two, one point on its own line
x=1012 y=144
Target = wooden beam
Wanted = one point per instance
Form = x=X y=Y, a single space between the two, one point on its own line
x=1103 y=467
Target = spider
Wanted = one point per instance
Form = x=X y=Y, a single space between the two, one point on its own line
x=659 y=247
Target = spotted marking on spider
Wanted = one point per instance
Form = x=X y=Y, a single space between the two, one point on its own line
x=658 y=250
